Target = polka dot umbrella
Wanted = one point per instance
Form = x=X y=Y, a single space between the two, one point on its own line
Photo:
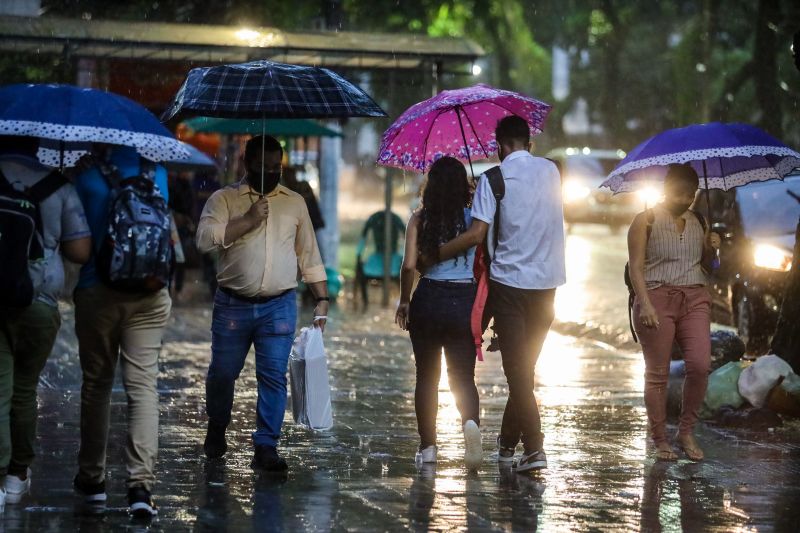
x=71 y=114
x=458 y=123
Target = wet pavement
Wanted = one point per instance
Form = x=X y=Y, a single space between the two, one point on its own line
x=360 y=476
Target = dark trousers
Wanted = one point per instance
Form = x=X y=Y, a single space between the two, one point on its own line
x=440 y=319
x=522 y=318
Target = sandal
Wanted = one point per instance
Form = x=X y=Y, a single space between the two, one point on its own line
x=666 y=454
x=690 y=448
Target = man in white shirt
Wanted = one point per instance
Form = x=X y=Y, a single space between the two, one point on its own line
x=527 y=266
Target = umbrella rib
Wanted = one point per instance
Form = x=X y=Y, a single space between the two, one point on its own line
x=507 y=109
x=430 y=129
x=475 y=132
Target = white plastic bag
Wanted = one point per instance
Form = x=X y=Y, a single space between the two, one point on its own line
x=758 y=379
x=308 y=372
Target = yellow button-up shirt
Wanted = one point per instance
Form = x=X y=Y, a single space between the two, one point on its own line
x=264 y=261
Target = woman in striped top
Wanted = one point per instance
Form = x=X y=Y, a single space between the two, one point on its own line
x=666 y=247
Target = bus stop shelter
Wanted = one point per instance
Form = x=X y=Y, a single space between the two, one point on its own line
x=147 y=61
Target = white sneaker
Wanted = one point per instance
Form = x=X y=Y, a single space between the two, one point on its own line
x=15 y=488
x=473 y=448
x=426 y=455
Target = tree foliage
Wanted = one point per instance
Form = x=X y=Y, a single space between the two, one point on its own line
x=641 y=66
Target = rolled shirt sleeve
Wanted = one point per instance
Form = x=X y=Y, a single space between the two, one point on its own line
x=73 y=219
x=212 y=225
x=484 y=203
x=307 y=250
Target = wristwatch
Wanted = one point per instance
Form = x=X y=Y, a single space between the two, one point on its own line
x=323 y=299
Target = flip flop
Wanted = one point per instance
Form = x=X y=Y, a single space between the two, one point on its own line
x=666 y=455
x=693 y=452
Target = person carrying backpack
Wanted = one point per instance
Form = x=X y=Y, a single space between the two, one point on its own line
x=527 y=265
x=121 y=309
x=41 y=220
x=669 y=250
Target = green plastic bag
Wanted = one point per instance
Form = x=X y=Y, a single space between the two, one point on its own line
x=723 y=389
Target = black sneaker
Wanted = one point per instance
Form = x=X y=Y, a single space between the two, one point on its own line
x=532 y=461
x=141 y=503
x=504 y=454
x=215 y=445
x=91 y=496
x=266 y=459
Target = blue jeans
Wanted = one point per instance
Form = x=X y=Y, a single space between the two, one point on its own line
x=236 y=325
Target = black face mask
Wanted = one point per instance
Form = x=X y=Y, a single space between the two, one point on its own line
x=271 y=180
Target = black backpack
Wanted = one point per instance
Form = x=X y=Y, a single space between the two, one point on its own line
x=21 y=240
x=498 y=187
x=651 y=217
x=136 y=254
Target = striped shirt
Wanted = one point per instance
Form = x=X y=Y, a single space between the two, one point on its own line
x=672 y=258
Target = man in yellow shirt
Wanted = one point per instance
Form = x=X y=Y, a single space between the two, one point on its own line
x=263 y=233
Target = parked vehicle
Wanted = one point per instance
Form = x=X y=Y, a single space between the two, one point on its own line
x=583 y=170
x=757 y=223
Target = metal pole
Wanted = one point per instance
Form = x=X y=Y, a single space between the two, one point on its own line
x=387 y=239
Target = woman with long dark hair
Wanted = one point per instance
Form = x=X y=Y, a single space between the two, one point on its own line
x=438 y=316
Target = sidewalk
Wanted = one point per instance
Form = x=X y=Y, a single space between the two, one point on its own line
x=361 y=475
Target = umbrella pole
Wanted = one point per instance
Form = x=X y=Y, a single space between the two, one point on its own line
x=708 y=207
x=708 y=192
x=463 y=136
x=263 y=134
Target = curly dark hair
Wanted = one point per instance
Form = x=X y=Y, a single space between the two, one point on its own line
x=445 y=195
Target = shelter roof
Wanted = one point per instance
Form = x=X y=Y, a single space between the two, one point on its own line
x=229 y=44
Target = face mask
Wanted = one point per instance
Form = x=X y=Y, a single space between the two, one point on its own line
x=271 y=180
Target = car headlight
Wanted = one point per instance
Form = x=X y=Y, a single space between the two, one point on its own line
x=575 y=191
x=650 y=195
x=772 y=258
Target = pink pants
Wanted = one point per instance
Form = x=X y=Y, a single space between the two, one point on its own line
x=684 y=314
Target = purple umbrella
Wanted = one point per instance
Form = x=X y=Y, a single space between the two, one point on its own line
x=724 y=155
x=458 y=123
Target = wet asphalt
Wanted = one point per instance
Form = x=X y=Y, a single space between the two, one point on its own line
x=361 y=476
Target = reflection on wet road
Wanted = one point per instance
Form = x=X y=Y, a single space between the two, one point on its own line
x=361 y=475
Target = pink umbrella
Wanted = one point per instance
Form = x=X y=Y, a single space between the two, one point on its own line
x=458 y=123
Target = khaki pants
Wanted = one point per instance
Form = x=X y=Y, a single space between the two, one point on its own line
x=109 y=323
x=26 y=339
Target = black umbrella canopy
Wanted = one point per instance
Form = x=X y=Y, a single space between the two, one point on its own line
x=266 y=89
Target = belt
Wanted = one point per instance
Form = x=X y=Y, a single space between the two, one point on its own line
x=253 y=299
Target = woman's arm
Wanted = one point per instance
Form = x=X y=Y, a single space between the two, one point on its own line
x=408 y=271
x=637 y=245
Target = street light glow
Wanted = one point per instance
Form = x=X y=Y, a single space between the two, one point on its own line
x=246 y=34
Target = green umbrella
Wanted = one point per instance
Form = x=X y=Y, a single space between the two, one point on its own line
x=278 y=127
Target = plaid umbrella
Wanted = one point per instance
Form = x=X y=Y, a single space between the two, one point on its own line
x=265 y=89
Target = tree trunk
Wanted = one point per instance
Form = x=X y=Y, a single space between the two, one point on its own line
x=786 y=342
x=765 y=56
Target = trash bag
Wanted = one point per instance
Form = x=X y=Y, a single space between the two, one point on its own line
x=784 y=398
x=726 y=347
x=759 y=378
x=308 y=373
x=723 y=389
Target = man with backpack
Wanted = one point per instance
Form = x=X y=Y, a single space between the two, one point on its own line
x=526 y=267
x=41 y=219
x=121 y=310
